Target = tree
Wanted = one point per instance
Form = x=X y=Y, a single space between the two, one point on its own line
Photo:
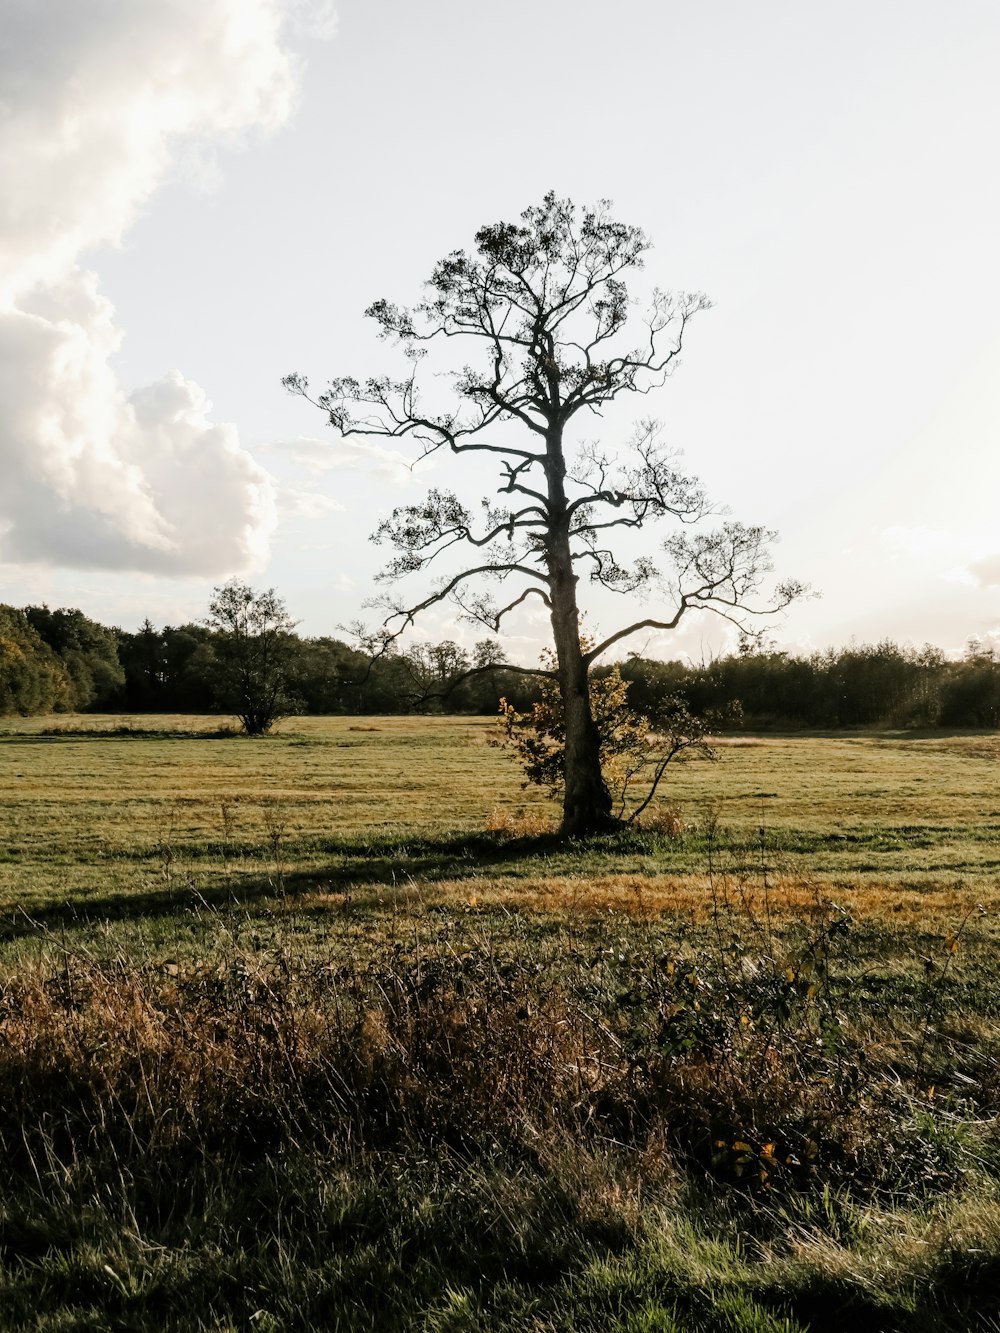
x=253 y=648
x=636 y=747
x=326 y=674
x=544 y=304
x=440 y=672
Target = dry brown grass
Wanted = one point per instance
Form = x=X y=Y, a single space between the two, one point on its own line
x=681 y=898
x=520 y=823
x=483 y=1046
x=665 y=820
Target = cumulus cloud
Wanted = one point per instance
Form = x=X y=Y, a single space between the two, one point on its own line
x=96 y=96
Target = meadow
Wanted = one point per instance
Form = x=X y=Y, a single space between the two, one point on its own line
x=327 y=1030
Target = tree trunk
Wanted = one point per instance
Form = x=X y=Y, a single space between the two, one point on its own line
x=586 y=799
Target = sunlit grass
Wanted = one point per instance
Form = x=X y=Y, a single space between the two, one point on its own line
x=84 y=814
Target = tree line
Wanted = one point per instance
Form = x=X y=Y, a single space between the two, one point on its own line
x=63 y=661
x=862 y=685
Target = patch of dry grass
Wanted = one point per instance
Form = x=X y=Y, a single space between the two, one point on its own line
x=521 y=824
x=576 y=1132
x=681 y=899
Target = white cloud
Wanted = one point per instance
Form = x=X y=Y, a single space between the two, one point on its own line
x=307 y=504
x=950 y=556
x=986 y=572
x=96 y=96
x=317 y=456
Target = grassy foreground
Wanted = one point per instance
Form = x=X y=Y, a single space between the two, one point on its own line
x=294 y=1034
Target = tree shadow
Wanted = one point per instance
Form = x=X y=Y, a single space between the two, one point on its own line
x=75 y=737
x=356 y=871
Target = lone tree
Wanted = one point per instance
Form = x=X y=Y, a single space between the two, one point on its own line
x=636 y=748
x=254 y=648
x=543 y=308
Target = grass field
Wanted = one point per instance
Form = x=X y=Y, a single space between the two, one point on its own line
x=88 y=811
x=299 y=1033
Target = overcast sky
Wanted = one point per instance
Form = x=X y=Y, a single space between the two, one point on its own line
x=202 y=195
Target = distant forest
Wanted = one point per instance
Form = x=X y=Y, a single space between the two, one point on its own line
x=62 y=661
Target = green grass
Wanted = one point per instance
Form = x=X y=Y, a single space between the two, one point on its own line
x=290 y=1039
x=90 y=811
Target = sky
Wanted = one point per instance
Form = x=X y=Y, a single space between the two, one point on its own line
x=204 y=195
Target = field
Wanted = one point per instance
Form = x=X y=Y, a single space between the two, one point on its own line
x=326 y=1030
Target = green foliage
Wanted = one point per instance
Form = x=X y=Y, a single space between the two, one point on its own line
x=169 y=670
x=863 y=685
x=971 y=694
x=330 y=678
x=56 y=660
x=89 y=652
x=33 y=679
x=538 y=737
x=635 y=748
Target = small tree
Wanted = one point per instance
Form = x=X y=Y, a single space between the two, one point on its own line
x=635 y=748
x=544 y=303
x=254 y=649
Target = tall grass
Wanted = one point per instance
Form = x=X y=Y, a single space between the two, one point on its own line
x=484 y=1130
